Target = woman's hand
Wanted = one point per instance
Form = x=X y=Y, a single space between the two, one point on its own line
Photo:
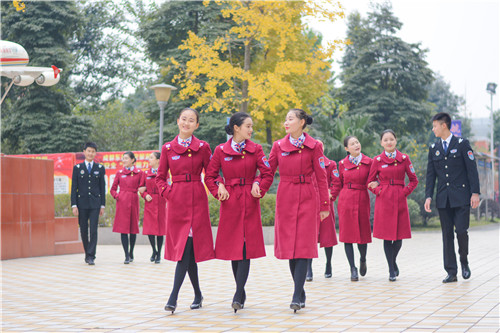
x=330 y=194
x=256 y=190
x=222 y=192
x=148 y=197
x=324 y=214
x=373 y=185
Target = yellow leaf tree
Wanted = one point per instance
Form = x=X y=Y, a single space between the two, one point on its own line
x=267 y=63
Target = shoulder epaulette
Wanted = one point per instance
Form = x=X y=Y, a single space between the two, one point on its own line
x=342 y=161
x=433 y=145
x=460 y=140
x=378 y=158
x=78 y=165
x=100 y=165
x=404 y=156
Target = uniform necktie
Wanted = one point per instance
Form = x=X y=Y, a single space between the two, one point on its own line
x=186 y=143
x=89 y=167
x=239 y=146
x=298 y=142
x=354 y=160
x=154 y=171
x=391 y=155
x=445 y=146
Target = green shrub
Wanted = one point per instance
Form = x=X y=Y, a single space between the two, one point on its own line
x=62 y=203
x=414 y=210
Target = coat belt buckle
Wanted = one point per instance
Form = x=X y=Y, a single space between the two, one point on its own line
x=242 y=181
x=302 y=179
x=188 y=177
x=349 y=185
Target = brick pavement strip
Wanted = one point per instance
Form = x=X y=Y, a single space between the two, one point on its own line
x=63 y=294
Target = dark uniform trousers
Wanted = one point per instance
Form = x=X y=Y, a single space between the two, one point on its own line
x=457 y=179
x=88 y=194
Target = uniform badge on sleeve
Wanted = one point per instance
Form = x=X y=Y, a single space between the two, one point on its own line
x=437 y=153
x=336 y=173
x=228 y=158
x=412 y=169
x=471 y=155
x=321 y=162
x=264 y=159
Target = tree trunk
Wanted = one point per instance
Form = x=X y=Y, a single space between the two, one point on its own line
x=244 y=86
x=269 y=134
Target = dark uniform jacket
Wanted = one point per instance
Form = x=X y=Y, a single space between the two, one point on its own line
x=88 y=191
x=456 y=173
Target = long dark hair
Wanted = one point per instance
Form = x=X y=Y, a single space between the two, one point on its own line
x=157 y=154
x=301 y=114
x=236 y=119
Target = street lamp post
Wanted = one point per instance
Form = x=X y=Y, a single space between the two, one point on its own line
x=491 y=89
x=162 y=94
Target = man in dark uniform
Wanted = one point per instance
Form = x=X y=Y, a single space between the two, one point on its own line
x=451 y=161
x=88 y=198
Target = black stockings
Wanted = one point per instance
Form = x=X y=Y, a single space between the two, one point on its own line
x=129 y=252
x=298 y=268
x=159 y=243
x=349 y=251
x=241 y=269
x=391 y=249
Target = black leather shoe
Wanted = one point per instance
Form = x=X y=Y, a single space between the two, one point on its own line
x=466 y=271
x=450 y=278
x=396 y=269
x=309 y=276
x=87 y=260
x=354 y=274
x=362 y=268
x=91 y=262
x=127 y=260
x=328 y=271
x=236 y=306
x=153 y=257
x=197 y=304
x=295 y=306
x=170 y=307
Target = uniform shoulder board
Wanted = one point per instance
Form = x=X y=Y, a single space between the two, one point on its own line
x=279 y=143
x=342 y=161
x=221 y=147
x=100 y=165
x=378 y=158
x=404 y=156
x=201 y=144
x=433 y=145
x=78 y=165
x=121 y=171
x=167 y=146
x=460 y=140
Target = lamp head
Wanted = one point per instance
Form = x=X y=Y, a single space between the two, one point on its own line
x=162 y=91
x=491 y=87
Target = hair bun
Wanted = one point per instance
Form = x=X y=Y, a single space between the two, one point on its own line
x=309 y=120
x=229 y=130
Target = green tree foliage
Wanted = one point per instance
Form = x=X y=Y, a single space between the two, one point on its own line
x=444 y=100
x=383 y=76
x=115 y=128
x=34 y=118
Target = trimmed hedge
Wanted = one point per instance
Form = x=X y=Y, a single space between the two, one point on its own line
x=62 y=204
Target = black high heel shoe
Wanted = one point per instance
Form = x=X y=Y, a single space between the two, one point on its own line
x=243 y=299
x=396 y=269
x=328 y=271
x=157 y=259
x=153 y=257
x=131 y=258
x=196 y=305
x=303 y=300
x=295 y=306
x=354 y=274
x=127 y=260
x=170 y=307
x=362 y=268
x=236 y=306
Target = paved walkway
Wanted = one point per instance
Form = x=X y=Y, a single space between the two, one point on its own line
x=63 y=294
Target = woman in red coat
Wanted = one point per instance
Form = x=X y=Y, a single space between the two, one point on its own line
x=387 y=180
x=126 y=220
x=239 y=237
x=327 y=234
x=354 y=204
x=188 y=232
x=153 y=223
x=299 y=157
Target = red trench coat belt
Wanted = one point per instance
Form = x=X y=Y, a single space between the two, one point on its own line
x=186 y=178
x=352 y=186
x=296 y=179
x=239 y=181
x=394 y=182
x=125 y=189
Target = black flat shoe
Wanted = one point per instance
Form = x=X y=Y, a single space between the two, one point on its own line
x=328 y=271
x=362 y=268
x=295 y=306
x=91 y=262
x=196 y=304
x=153 y=257
x=354 y=274
x=236 y=306
x=169 y=307
x=392 y=278
x=396 y=269
x=450 y=278
x=86 y=260
x=466 y=273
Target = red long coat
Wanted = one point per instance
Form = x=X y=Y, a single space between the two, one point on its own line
x=127 y=201
x=154 y=211
x=327 y=232
x=240 y=220
x=392 y=221
x=187 y=202
x=296 y=229
x=353 y=206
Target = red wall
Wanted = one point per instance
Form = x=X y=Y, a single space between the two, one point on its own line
x=28 y=226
